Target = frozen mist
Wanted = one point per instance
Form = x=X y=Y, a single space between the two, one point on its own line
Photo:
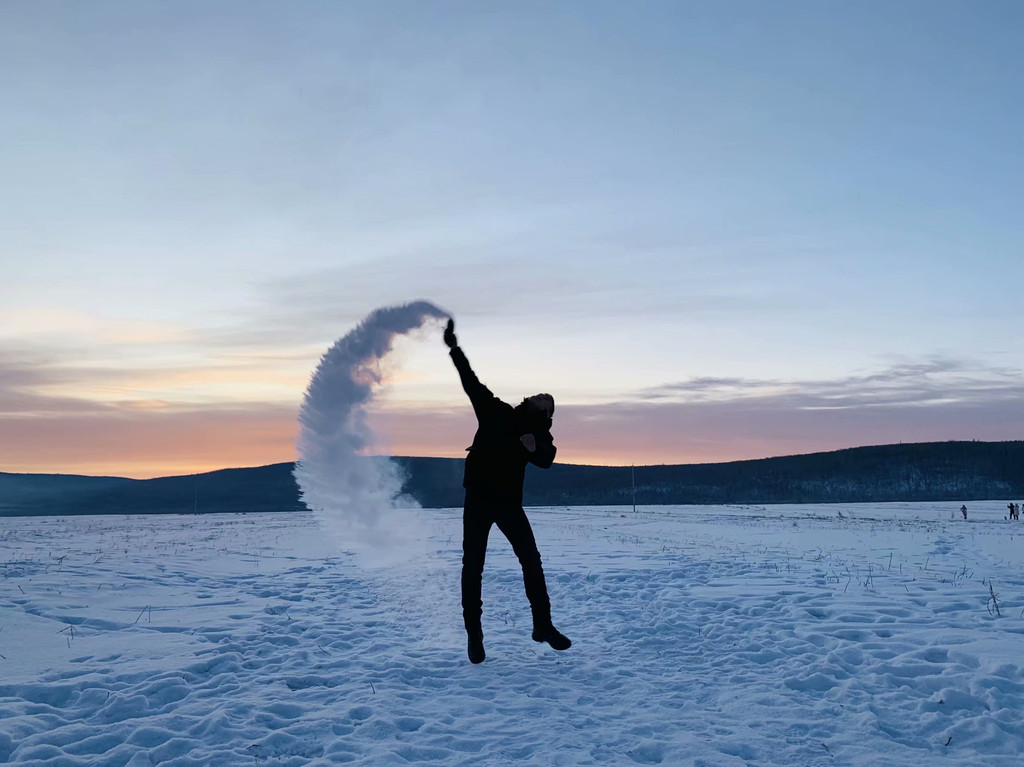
x=357 y=498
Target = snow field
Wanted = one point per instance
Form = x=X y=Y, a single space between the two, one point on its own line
x=780 y=635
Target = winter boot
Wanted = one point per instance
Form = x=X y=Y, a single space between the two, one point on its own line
x=475 y=647
x=551 y=635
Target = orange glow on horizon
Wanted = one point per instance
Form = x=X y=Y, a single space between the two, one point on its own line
x=144 y=443
x=145 y=440
x=157 y=466
x=149 y=466
x=165 y=459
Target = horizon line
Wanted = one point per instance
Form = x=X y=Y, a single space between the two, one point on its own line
x=452 y=458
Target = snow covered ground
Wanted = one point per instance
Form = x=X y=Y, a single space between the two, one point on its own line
x=780 y=635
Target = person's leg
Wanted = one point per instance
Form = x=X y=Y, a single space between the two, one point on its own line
x=476 y=525
x=512 y=522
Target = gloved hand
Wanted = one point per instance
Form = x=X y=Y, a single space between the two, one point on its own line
x=449 y=334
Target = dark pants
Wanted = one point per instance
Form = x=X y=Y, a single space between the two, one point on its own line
x=479 y=513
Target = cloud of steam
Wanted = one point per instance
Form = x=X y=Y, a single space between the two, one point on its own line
x=356 y=497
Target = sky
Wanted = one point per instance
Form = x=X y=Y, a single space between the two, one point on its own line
x=713 y=231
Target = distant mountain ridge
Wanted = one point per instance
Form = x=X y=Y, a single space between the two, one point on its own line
x=926 y=471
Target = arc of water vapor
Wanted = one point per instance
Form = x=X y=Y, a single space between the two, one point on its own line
x=348 y=491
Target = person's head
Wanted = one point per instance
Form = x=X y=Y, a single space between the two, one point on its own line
x=541 y=403
x=537 y=410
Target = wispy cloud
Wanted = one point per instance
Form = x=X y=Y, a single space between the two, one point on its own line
x=45 y=381
x=935 y=380
x=697 y=420
x=521 y=280
x=721 y=419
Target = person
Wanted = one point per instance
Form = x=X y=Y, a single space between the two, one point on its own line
x=963 y=510
x=507 y=438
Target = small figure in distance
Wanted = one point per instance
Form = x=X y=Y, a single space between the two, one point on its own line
x=507 y=438
x=963 y=510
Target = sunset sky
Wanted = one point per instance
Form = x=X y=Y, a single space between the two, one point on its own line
x=712 y=230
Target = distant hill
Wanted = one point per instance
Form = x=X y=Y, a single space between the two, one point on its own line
x=931 y=471
x=262 y=488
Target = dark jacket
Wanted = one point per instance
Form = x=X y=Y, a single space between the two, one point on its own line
x=496 y=464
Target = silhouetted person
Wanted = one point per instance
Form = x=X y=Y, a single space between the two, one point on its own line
x=963 y=510
x=507 y=438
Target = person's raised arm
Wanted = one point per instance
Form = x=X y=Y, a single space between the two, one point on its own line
x=479 y=395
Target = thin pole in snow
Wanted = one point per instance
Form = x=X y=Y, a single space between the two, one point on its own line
x=632 y=474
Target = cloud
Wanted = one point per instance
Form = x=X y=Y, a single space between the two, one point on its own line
x=712 y=432
x=918 y=383
x=696 y=420
x=144 y=443
x=35 y=382
x=725 y=419
x=24 y=374
x=722 y=419
x=521 y=280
